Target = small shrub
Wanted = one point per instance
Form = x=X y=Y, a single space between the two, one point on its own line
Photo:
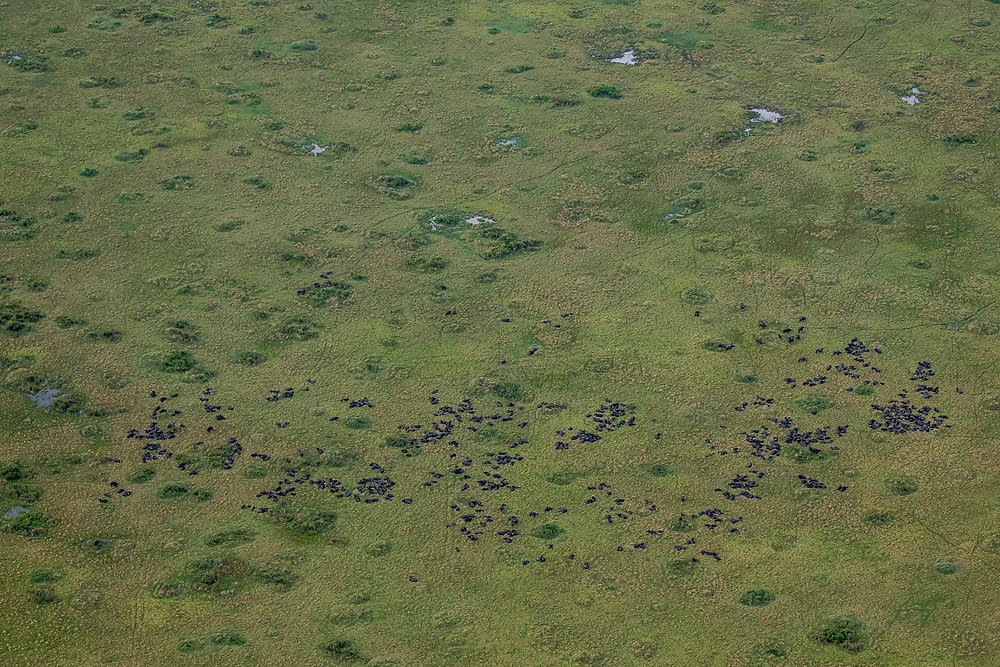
x=177 y=361
x=843 y=631
x=605 y=91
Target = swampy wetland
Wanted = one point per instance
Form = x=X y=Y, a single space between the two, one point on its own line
x=422 y=333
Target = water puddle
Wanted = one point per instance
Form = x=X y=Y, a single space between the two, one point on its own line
x=15 y=512
x=627 y=58
x=765 y=116
x=45 y=397
x=912 y=98
x=513 y=142
x=457 y=222
x=676 y=213
x=317 y=149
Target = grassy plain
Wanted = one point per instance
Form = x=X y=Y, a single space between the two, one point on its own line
x=165 y=230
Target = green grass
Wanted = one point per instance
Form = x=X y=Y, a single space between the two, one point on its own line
x=600 y=258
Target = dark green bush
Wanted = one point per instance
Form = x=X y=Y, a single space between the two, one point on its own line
x=605 y=91
x=843 y=631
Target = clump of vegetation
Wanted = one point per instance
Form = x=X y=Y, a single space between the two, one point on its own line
x=696 y=296
x=879 y=215
x=178 y=491
x=902 y=486
x=100 y=82
x=181 y=331
x=427 y=264
x=299 y=328
x=342 y=650
x=681 y=567
x=656 y=469
x=757 y=597
x=304 y=521
x=946 y=568
x=27 y=62
x=132 y=156
x=357 y=423
x=214 y=576
x=228 y=638
x=499 y=244
x=33 y=524
x=394 y=186
x=46 y=576
x=15 y=226
x=812 y=404
x=16 y=319
x=177 y=183
x=327 y=293
x=229 y=226
x=961 y=139
x=249 y=358
x=605 y=91
x=231 y=537
x=380 y=549
x=177 y=361
x=843 y=631
x=876 y=518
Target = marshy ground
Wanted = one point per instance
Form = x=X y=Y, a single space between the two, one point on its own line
x=440 y=333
